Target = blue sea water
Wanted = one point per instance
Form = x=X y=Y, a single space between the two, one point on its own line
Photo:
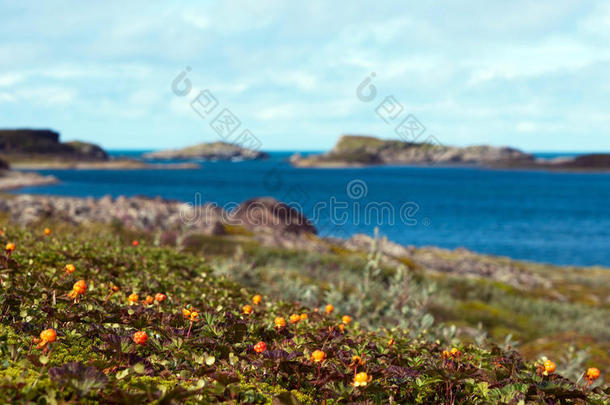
x=561 y=218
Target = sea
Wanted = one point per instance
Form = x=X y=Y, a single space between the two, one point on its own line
x=551 y=217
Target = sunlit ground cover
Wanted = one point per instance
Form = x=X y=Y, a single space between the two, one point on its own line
x=86 y=315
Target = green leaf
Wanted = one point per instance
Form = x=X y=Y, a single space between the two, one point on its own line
x=210 y=360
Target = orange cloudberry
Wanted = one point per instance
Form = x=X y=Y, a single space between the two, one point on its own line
x=346 y=319
x=79 y=288
x=257 y=299
x=318 y=356
x=329 y=309
x=47 y=336
x=592 y=374
x=133 y=299
x=247 y=309
x=260 y=347
x=549 y=367
x=160 y=297
x=140 y=338
x=280 y=322
x=357 y=361
x=362 y=379
x=294 y=318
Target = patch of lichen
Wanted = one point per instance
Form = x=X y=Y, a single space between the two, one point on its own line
x=236 y=230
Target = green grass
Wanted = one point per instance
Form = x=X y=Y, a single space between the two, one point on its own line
x=94 y=359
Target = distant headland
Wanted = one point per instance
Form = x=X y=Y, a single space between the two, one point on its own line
x=358 y=151
x=44 y=144
x=42 y=149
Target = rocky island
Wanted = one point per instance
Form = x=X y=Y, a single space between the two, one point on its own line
x=356 y=151
x=208 y=151
x=41 y=149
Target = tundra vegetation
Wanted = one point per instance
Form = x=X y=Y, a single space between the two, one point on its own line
x=103 y=314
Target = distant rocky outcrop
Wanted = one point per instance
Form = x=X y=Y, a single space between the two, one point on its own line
x=44 y=144
x=4 y=165
x=209 y=151
x=353 y=150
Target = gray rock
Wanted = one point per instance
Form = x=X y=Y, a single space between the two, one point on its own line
x=271 y=215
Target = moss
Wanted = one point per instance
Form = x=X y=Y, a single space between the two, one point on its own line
x=9 y=336
x=236 y=230
x=268 y=392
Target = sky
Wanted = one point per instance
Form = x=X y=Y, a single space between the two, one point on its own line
x=530 y=74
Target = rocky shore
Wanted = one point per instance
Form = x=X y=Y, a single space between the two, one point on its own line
x=265 y=221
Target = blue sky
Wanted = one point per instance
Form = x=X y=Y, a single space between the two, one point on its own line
x=529 y=74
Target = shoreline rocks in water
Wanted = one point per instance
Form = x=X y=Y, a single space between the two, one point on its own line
x=209 y=151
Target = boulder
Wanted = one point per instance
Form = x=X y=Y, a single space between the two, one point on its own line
x=270 y=215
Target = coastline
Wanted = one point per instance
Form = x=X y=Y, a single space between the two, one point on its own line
x=160 y=215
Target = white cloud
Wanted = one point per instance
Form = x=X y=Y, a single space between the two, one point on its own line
x=6 y=98
x=526 y=127
x=10 y=79
x=45 y=95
